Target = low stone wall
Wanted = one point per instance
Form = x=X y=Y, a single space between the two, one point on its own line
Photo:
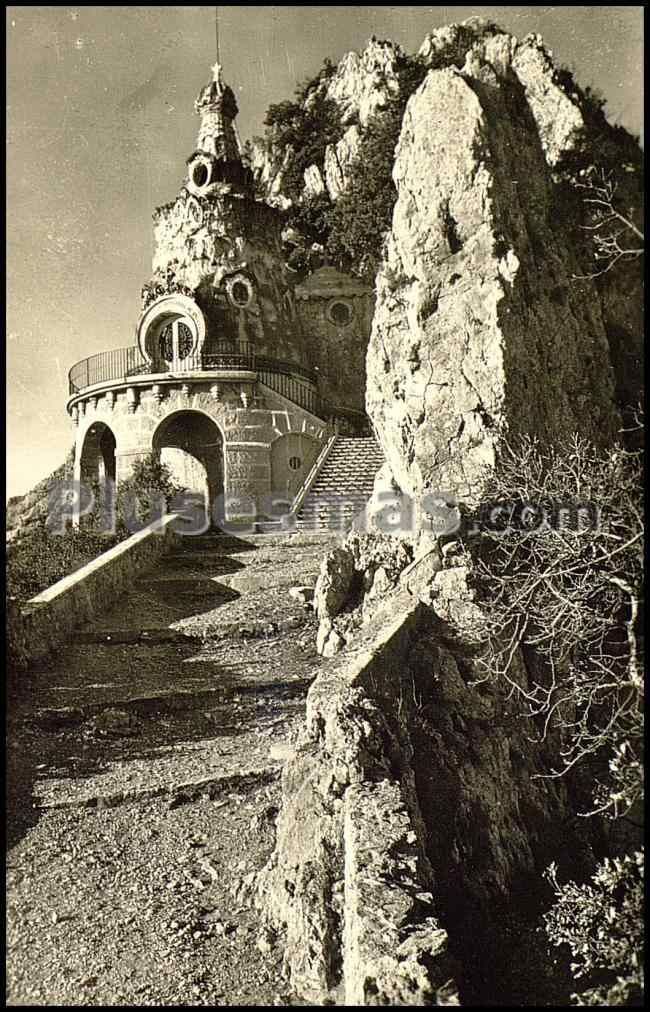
x=45 y=622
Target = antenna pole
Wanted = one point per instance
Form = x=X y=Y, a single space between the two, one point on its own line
x=216 y=31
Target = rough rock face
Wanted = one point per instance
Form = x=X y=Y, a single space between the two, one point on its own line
x=413 y=808
x=268 y=176
x=349 y=884
x=32 y=508
x=351 y=580
x=417 y=799
x=362 y=84
x=557 y=114
x=478 y=308
x=338 y=159
x=201 y=247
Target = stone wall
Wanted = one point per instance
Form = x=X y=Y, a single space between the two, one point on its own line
x=248 y=433
x=42 y=625
x=336 y=350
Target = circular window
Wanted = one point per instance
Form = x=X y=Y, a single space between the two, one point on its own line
x=240 y=291
x=200 y=174
x=340 y=313
x=295 y=463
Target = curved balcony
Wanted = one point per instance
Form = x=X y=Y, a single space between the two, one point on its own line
x=288 y=379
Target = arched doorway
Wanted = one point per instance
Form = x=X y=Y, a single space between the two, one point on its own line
x=190 y=444
x=292 y=457
x=97 y=465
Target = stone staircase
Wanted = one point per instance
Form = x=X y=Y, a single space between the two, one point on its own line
x=342 y=487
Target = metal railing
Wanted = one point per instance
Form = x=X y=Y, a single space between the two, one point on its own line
x=289 y=379
x=296 y=389
x=345 y=421
x=108 y=365
x=122 y=363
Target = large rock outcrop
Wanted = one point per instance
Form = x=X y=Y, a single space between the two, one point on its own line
x=415 y=825
x=417 y=798
x=362 y=84
x=482 y=329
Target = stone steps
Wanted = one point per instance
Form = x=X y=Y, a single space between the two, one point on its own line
x=343 y=486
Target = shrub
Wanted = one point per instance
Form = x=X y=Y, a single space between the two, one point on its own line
x=147 y=493
x=39 y=558
x=311 y=218
x=363 y=213
x=602 y=924
x=572 y=594
x=307 y=124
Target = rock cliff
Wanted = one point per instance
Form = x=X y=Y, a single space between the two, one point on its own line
x=484 y=292
x=484 y=326
x=416 y=798
x=415 y=825
x=361 y=85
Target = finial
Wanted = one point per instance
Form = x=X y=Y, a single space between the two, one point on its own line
x=217 y=76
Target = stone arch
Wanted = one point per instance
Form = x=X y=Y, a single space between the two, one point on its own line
x=190 y=442
x=97 y=466
x=292 y=457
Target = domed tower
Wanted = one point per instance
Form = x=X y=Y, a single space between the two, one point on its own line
x=218 y=384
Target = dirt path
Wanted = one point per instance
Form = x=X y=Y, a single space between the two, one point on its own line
x=143 y=784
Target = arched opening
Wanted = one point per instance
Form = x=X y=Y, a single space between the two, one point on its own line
x=191 y=445
x=175 y=341
x=292 y=457
x=171 y=334
x=97 y=464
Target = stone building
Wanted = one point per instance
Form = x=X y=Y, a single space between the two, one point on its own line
x=242 y=372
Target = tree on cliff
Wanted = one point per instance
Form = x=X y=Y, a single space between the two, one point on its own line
x=615 y=236
x=363 y=213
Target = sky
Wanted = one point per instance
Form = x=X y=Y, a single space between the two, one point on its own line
x=100 y=120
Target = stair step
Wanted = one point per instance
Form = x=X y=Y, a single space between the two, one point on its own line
x=343 y=486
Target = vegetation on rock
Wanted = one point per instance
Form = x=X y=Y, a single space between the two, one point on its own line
x=571 y=596
x=570 y=589
x=362 y=215
x=602 y=924
x=306 y=125
x=351 y=229
x=39 y=558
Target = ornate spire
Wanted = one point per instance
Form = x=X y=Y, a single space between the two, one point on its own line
x=217 y=107
x=216 y=165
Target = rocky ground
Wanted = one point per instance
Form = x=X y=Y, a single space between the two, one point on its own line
x=143 y=784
